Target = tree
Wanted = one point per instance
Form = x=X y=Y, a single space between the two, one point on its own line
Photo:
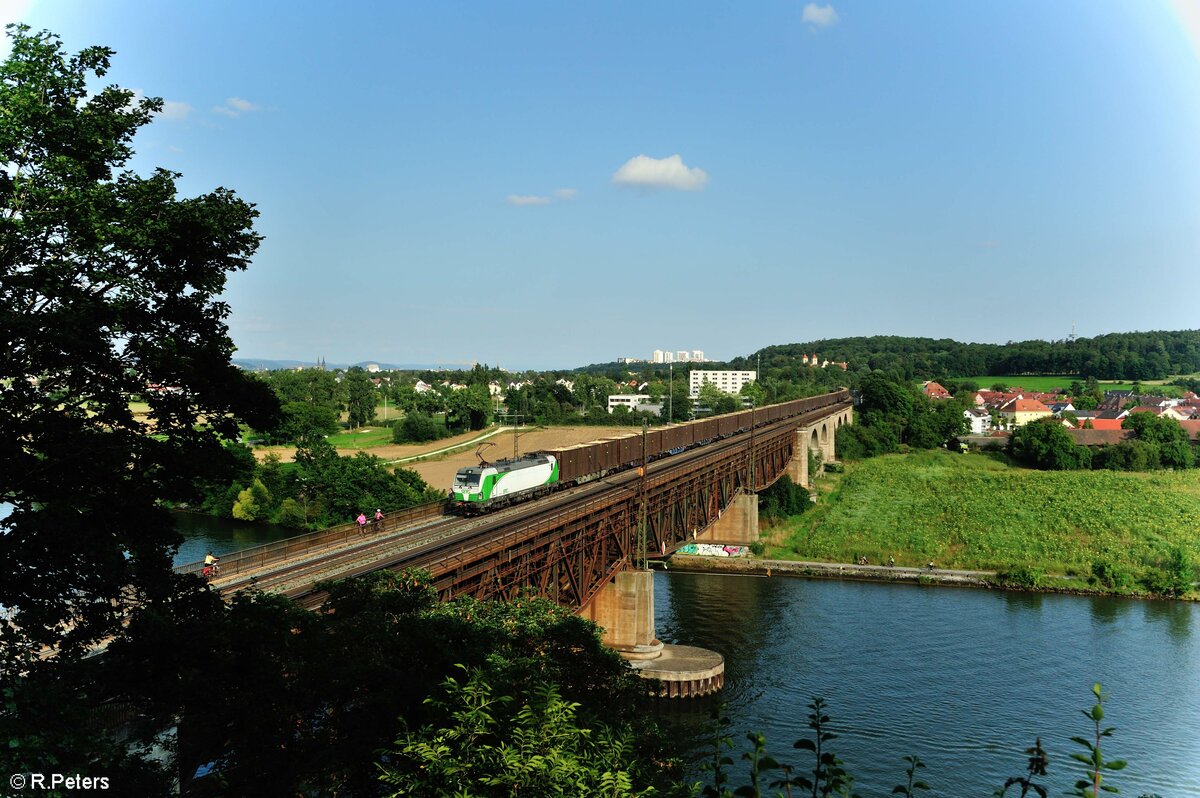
x=1046 y=444
x=343 y=487
x=360 y=397
x=677 y=404
x=108 y=290
x=755 y=393
x=301 y=420
x=716 y=400
x=1175 y=450
x=537 y=747
x=469 y=408
x=417 y=427
x=253 y=503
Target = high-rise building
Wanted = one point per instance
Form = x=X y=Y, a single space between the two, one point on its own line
x=698 y=355
x=681 y=356
x=726 y=381
x=657 y=357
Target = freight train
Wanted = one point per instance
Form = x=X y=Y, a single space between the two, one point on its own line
x=488 y=486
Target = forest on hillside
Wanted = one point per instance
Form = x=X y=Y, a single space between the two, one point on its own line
x=1116 y=356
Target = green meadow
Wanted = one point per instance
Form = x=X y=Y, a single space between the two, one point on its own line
x=364 y=438
x=976 y=512
x=1044 y=382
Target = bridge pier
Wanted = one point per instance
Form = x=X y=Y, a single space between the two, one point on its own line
x=738 y=523
x=625 y=609
x=817 y=437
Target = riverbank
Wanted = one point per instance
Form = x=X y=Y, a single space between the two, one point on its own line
x=951 y=577
x=1115 y=533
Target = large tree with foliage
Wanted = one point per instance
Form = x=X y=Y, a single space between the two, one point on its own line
x=1175 y=449
x=1046 y=444
x=470 y=408
x=360 y=397
x=108 y=292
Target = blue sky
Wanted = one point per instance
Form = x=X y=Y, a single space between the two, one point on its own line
x=554 y=184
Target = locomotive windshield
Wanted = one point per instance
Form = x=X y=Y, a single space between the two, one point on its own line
x=466 y=478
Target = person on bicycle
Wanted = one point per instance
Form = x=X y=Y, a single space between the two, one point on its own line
x=378 y=517
x=210 y=565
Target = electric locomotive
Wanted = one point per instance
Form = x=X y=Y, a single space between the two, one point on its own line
x=484 y=487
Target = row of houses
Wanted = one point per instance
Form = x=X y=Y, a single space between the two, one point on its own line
x=1016 y=407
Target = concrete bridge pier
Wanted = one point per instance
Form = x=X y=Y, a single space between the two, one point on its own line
x=625 y=609
x=816 y=437
x=738 y=523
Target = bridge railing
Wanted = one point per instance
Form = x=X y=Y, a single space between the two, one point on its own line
x=256 y=557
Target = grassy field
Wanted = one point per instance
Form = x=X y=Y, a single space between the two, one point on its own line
x=363 y=438
x=1045 y=383
x=976 y=512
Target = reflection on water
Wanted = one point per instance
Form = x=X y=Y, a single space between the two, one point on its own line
x=202 y=533
x=1176 y=617
x=1109 y=611
x=963 y=678
x=1019 y=602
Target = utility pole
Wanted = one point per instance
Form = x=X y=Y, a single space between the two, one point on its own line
x=641 y=550
x=671 y=395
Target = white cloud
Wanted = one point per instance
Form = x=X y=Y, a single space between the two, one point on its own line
x=819 y=16
x=525 y=199
x=642 y=171
x=174 y=111
x=235 y=107
x=565 y=193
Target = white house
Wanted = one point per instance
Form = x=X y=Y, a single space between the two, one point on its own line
x=980 y=419
x=629 y=401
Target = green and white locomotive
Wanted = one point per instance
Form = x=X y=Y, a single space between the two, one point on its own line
x=490 y=485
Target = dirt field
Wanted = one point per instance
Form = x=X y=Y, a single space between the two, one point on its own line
x=439 y=470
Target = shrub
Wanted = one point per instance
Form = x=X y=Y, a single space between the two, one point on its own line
x=1022 y=577
x=784 y=498
x=1108 y=575
x=1045 y=444
x=418 y=427
x=291 y=513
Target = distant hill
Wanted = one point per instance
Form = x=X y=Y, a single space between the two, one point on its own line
x=262 y=364
x=1115 y=356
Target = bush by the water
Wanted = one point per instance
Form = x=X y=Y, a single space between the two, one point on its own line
x=783 y=499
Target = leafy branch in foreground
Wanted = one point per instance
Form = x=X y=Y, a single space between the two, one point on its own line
x=1092 y=786
x=720 y=760
x=909 y=789
x=1038 y=762
x=485 y=749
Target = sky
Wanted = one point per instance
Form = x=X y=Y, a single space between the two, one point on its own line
x=547 y=185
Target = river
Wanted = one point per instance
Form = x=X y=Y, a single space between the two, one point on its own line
x=964 y=679
x=204 y=533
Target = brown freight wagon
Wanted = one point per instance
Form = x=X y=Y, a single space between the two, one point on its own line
x=629 y=448
x=574 y=461
x=586 y=459
x=678 y=436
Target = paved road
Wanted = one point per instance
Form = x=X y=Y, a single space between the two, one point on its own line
x=444 y=449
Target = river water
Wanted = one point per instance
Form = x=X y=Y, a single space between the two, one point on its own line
x=204 y=533
x=964 y=679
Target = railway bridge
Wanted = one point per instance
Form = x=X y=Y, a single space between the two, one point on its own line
x=583 y=547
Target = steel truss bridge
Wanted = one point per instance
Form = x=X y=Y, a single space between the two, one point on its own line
x=566 y=547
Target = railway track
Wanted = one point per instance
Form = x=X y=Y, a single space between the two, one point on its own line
x=446 y=542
